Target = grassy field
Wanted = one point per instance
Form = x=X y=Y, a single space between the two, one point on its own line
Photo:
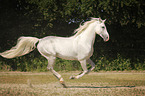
x=93 y=84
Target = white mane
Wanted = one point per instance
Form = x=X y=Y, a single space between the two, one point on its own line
x=84 y=26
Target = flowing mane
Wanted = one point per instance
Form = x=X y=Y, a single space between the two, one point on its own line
x=84 y=26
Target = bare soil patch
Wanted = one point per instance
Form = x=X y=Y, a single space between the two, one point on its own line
x=93 y=84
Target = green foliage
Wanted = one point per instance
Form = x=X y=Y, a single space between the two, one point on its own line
x=5 y=67
x=39 y=64
x=120 y=11
x=67 y=65
x=39 y=18
x=110 y=65
x=139 y=65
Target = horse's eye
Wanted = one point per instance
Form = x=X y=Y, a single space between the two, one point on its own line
x=103 y=27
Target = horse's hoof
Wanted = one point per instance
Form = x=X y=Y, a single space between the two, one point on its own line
x=72 y=77
x=62 y=83
x=61 y=80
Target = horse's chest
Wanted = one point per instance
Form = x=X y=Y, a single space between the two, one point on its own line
x=85 y=52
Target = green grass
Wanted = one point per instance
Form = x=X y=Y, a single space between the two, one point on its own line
x=93 y=84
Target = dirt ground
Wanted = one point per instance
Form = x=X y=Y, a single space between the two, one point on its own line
x=127 y=83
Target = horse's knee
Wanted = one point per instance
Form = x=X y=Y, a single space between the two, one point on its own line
x=93 y=67
x=49 y=68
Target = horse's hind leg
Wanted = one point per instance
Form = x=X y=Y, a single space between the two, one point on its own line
x=51 y=61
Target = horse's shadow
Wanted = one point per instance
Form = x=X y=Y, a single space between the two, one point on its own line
x=100 y=87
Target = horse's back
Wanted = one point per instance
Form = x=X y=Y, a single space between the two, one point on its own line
x=61 y=47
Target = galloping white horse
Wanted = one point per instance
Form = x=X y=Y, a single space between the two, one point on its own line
x=78 y=47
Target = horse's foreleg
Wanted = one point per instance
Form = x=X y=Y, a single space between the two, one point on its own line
x=85 y=70
x=92 y=64
x=51 y=62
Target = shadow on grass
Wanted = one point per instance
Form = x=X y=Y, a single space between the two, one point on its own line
x=100 y=87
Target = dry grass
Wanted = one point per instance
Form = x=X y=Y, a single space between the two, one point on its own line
x=93 y=84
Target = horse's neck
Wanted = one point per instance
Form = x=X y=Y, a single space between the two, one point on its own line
x=88 y=36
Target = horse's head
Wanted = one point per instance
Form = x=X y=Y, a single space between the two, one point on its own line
x=101 y=29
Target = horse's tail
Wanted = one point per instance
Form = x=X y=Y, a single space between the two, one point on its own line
x=24 y=46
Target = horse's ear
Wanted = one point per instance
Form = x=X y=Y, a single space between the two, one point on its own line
x=104 y=20
x=100 y=20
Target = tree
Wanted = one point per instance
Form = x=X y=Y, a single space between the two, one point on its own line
x=125 y=23
x=120 y=11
